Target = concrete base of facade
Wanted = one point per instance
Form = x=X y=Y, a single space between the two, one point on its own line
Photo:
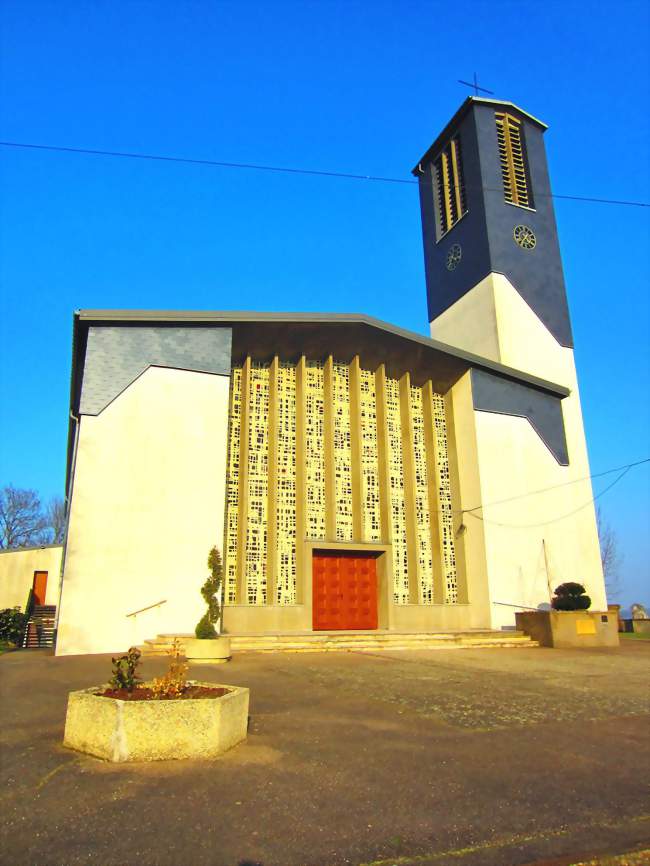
x=254 y=619
x=122 y=731
x=566 y=629
x=358 y=641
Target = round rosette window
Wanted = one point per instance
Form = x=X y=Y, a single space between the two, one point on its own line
x=525 y=237
x=454 y=256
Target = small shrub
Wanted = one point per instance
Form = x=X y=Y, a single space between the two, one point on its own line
x=12 y=625
x=570 y=596
x=205 y=630
x=124 y=670
x=210 y=592
x=172 y=684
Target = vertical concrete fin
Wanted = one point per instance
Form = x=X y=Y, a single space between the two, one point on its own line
x=272 y=525
x=469 y=542
x=408 y=459
x=242 y=522
x=433 y=486
x=355 y=449
x=382 y=449
x=301 y=485
x=330 y=481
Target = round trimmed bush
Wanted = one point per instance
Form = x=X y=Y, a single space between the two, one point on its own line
x=204 y=629
x=570 y=596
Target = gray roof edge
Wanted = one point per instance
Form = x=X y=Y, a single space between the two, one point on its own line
x=487 y=101
x=33 y=547
x=224 y=316
x=235 y=316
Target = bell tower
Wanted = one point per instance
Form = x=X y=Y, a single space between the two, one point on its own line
x=490 y=239
x=495 y=288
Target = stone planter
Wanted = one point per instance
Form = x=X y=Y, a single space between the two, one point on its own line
x=575 y=628
x=119 y=730
x=640 y=626
x=212 y=651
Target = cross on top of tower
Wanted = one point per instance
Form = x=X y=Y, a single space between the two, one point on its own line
x=475 y=86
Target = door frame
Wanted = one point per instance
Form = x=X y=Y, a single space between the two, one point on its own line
x=47 y=577
x=384 y=559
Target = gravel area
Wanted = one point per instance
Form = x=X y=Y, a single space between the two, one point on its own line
x=480 y=757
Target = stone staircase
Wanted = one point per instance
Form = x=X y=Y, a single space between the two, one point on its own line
x=354 y=641
x=39 y=630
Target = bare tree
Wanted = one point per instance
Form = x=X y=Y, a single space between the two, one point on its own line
x=610 y=555
x=56 y=519
x=22 y=522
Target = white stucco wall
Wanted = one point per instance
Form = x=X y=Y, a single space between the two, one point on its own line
x=147 y=505
x=17 y=569
x=471 y=323
x=513 y=462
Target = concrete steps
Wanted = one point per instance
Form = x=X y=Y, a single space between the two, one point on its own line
x=39 y=630
x=371 y=641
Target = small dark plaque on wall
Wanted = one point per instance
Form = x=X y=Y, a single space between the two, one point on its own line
x=604 y=618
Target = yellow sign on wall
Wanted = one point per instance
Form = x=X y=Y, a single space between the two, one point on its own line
x=585 y=626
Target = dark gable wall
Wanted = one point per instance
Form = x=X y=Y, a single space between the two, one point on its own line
x=485 y=233
x=117 y=354
x=543 y=411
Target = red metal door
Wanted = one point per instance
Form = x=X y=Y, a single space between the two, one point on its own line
x=40 y=586
x=345 y=591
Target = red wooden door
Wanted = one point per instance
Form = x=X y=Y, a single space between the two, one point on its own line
x=40 y=586
x=345 y=591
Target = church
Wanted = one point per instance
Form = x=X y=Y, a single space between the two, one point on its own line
x=355 y=476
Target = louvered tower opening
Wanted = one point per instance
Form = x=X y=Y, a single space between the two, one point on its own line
x=449 y=187
x=512 y=154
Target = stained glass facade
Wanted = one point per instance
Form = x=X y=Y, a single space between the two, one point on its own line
x=423 y=517
x=314 y=451
x=285 y=491
x=397 y=498
x=342 y=452
x=232 y=487
x=446 y=508
x=257 y=492
x=247 y=515
x=369 y=458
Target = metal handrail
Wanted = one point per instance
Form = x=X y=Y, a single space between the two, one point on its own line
x=142 y=609
x=523 y=606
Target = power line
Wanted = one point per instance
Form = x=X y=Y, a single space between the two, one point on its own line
x=590 y=477
x=208 y=162
x=554 y=519
x=593 y=499
x=281 y=169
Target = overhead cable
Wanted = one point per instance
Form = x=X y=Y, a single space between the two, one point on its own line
x=281 y=169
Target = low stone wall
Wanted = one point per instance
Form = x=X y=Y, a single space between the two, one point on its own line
x=639 y=626
x=564 y=629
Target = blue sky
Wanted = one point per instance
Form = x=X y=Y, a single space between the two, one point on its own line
x=359 y=87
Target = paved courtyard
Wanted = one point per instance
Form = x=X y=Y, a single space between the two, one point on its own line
x=480 y=757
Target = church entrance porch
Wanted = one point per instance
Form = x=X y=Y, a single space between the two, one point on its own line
x=344 y=591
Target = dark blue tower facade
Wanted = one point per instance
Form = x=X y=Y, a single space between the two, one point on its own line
x=486 y=206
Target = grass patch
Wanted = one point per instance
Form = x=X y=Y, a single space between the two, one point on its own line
x=6 y=647
x=634 y=635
